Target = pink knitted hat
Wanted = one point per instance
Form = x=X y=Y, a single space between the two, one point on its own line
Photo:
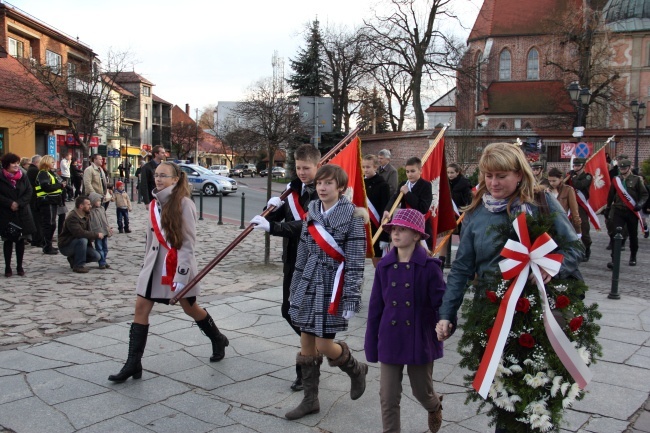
x=409 y=218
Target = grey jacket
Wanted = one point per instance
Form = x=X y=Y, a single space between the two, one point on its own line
x=479 y=252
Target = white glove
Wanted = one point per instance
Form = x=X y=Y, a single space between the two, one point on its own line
x=275 y=201
x=261 y=223
x=177 y=286
x=383 y=245
x=579 y=235
x=347 y=315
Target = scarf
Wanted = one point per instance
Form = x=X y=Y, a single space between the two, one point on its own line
x=13 y=177
x=499 y=205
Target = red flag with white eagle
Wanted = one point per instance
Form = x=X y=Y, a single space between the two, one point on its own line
x=597 y=166
x=350 y=160
x=434 y=170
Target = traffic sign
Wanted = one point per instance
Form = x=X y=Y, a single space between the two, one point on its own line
x=582 y=150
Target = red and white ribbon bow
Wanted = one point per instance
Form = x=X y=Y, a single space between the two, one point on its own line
x=521 y=258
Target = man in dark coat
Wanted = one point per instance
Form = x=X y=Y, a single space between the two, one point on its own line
x=147 y=183
x=581 y=181
x=386 y=170
x=32 y=172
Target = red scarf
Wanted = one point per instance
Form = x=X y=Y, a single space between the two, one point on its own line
x=13 y=177
x=171 y=258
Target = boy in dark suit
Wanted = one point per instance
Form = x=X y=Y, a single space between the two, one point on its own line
x=417 y=194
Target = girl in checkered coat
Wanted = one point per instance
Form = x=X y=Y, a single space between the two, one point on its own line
x=332 y=239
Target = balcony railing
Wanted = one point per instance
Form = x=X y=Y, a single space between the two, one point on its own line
x=131 y=114
x=166 y=121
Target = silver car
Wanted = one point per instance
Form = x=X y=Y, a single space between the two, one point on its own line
x=203 y=179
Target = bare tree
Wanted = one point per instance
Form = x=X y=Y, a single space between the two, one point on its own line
x=396 y=87
x=206 y=120
x=80 y=93
x=184 y=136
x=408 y=43
x=345 y=57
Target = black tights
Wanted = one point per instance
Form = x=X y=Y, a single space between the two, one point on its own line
x=7 y=248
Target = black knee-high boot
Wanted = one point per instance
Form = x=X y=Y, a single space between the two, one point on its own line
x=219 y=341
x=7 y=249
x=133 y=365
x=20 y=252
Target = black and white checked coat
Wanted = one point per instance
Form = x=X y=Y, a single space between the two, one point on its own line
x=313 y=279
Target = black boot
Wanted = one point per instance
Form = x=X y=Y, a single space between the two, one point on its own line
x=297 y=384
x=137 y=343
x=355 y=369
x=623 y=244
x=633 y=259
x=20 y=252
x=219 y=341
x=7 y=248
x=610 y=245
x=587 y=254
x=310 y=366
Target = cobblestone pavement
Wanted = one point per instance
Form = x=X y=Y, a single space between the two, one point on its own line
x=51 y=300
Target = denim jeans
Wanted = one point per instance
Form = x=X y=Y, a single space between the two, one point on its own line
x=81 y=252
x=122 y=218
x=101 y=246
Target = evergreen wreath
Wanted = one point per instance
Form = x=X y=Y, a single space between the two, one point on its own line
x=531 y=388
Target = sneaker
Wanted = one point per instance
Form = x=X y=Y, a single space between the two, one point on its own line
x=80 y=270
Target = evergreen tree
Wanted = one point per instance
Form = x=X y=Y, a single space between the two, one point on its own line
x=309 y=78
x=372 y=110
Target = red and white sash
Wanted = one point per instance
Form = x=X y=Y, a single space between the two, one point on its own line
x=327 y=243
x=456 y=211
x=171 y=258
x=584 y=203
x=521 y=259
x=627 y=199
x=296 y=209
x=374 y=215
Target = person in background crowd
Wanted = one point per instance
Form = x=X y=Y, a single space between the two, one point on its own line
x=122 y=207
x=108 y=197
x=566 y=196
x=94 y=176
x=286 y=221
x=99 y=224
x=387 y=171
x=626 y=198
x=15 y=197
x=401 y=323
x=538 y=172
x=147 y=183
x=332 y=220
x=32 y=172
x=65 y=166
x=461 y=196
x=378 y=193
x=24 y=164
x=77 y=176
x=49 y=196
x=581 y=181
x=75 y=241
x=609 y=220
x=170 y=240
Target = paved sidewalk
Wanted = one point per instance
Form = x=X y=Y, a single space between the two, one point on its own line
x=56 y=380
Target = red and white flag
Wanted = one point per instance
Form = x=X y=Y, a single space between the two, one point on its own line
x=350 y=160
x=434 y=170
x=597 y=166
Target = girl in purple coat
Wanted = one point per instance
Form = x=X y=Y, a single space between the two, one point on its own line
x=402 y=317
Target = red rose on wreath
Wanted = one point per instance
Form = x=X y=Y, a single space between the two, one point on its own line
x=488 y=332
x=492 y=296
x=576 y=323
x=562 y=301
x=523 y=305
x=527 y=340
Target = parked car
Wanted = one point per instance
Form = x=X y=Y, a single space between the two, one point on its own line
x=242 y=170
x=203 y=179
x=276 y=172
x=221 y=170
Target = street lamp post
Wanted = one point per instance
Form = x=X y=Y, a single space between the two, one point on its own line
x=638 y=112
x=581 y=96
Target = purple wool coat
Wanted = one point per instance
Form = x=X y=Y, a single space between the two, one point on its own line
x=403 y=310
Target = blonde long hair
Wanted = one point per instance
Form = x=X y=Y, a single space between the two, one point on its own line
x=505 y=157
x=170 y=217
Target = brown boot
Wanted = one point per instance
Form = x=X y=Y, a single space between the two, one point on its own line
x=355 y=369
x=435 y=418
x=310 y=366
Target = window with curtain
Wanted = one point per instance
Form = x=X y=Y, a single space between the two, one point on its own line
x=504 y=65
x=532 y=71
x=53 y=60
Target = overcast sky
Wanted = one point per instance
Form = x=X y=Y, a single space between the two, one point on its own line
x=200 y=51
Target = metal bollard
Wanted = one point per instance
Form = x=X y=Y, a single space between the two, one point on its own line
x=243 y=200
x=220 y=222
x=201 y=204
x=131 y=191
x=616 y=261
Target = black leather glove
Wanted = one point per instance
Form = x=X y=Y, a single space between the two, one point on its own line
x=637 y=208
x=572 y=173
x=606 y=212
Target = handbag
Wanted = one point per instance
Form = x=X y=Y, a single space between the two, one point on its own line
x=12 y=232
